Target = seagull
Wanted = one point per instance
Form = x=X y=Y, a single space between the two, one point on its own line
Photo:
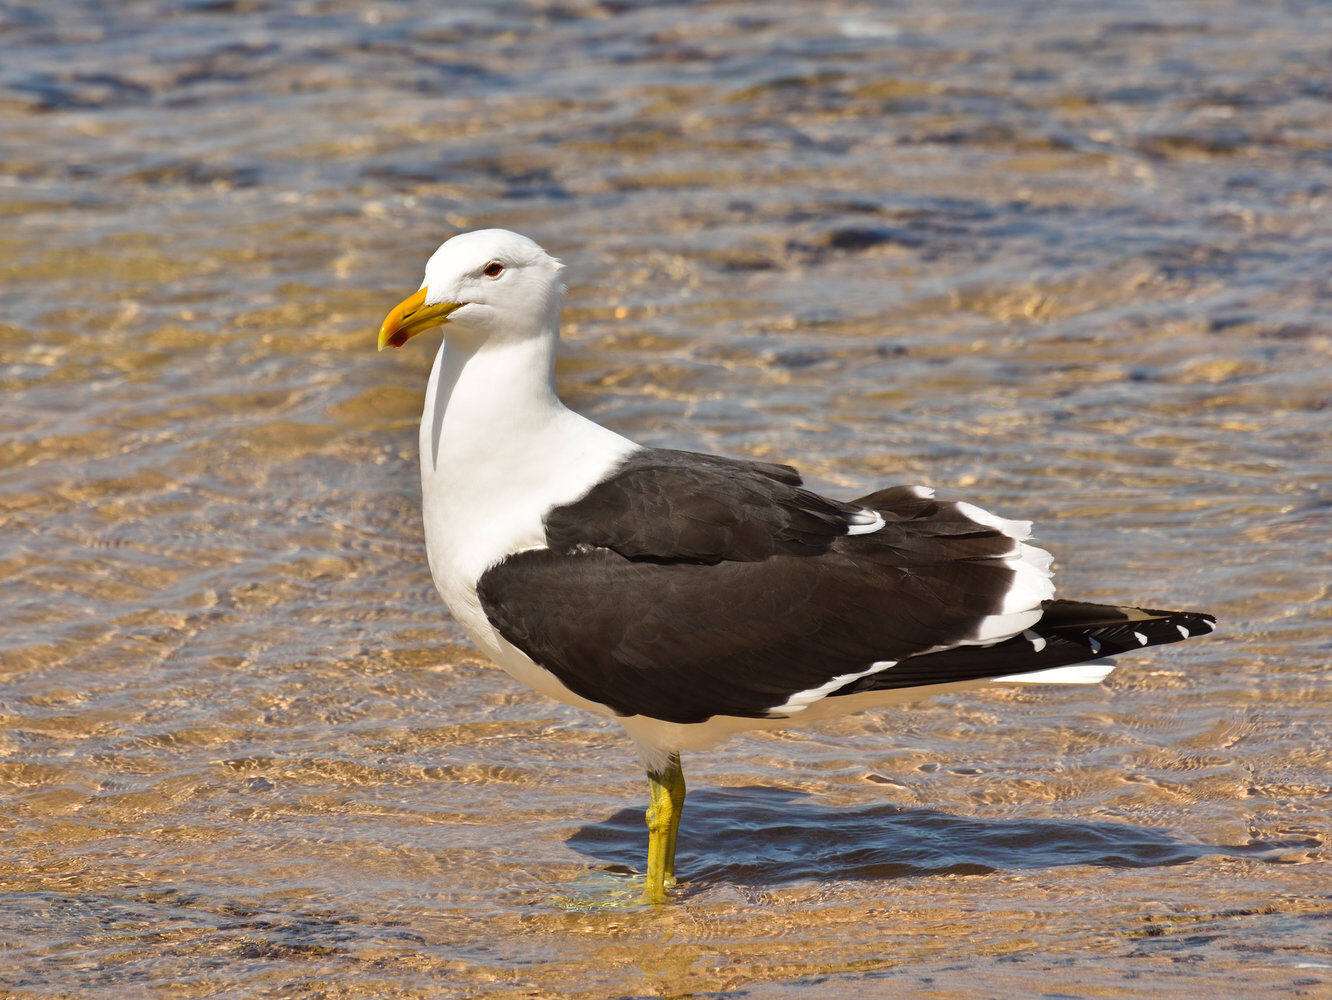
x=691 y=596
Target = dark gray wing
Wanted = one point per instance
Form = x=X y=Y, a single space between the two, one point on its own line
x=679 y=505
x=690 y=587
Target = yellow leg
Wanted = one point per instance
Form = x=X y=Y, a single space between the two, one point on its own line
x=663 y=820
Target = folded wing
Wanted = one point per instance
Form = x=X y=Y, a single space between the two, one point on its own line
x=686 y=586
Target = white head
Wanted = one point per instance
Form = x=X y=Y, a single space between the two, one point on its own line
x=488 y=284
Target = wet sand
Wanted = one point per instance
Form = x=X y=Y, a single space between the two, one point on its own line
x=1071 y=262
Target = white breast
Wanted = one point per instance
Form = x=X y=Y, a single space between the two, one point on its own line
x=492 y=465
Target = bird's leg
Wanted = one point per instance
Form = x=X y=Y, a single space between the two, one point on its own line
x=677 y=794
x=665 y=804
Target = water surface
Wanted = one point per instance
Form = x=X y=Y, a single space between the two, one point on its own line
x=1070 y=261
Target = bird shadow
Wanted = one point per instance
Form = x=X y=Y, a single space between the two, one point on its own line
x=757 y=836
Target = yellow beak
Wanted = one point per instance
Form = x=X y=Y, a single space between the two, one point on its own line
x=412 y=316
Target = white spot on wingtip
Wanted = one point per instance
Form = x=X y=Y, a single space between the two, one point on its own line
x=1094 y=644
x=1037 y=641
x=1183 y=631
x=1142 y=639
x=864 y=522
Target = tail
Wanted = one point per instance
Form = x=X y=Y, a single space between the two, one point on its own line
x=1077 y=628
x=1068 y=633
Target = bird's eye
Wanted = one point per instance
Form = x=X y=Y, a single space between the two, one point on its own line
x=494 y=269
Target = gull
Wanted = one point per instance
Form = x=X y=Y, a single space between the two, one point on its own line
x=690 y=596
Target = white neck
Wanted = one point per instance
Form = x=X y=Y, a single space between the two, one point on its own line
x=486 y=397
x=498 y=450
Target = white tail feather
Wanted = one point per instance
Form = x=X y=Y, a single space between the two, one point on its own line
x=1091 y=672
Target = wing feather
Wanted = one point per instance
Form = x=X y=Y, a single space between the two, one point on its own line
x=687 y=586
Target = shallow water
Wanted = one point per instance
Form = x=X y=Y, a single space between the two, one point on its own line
x=1071 y=261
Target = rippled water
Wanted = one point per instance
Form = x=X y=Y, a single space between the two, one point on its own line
x=1069 y=260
